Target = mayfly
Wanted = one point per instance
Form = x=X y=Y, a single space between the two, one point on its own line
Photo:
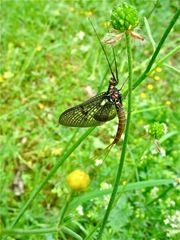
x=100 y=108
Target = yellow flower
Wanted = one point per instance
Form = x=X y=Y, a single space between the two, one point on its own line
x=1 y=78
x=143 y=95
x=152 y=74
x=178 y=180
x=38 y=48
x=150 y=86
x=124 y=182
x=22 y=44
x=78 y=180
x=105 y=24
x=168 y=102
x=41 y=106
x=158 y=69
x=89 y=13
x=8 y=75
x=157 y=78
x=56 y=151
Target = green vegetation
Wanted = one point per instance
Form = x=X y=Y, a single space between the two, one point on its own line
x=51 y=60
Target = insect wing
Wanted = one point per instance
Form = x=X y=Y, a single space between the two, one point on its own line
x=106 y=112
x=93 y=112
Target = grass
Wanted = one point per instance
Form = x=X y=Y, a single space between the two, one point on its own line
x=45 y=68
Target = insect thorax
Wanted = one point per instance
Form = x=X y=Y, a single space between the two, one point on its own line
x=114 y=96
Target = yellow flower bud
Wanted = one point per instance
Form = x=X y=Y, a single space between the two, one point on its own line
x=124 y=182
x=8 y=75
x=150 y=86
x=158 y=69
x=152 y=74
x=38 y=48
x=40 y=106
x=143 y=95
x=168 y=102
x=56 y=151
x=78 y=180
x=1 y=78
x=89 y=13
x=157 y=78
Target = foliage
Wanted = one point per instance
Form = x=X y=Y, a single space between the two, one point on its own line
x=51 y=60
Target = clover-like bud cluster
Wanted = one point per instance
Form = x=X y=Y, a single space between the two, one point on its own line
x=157 y=130
x=124 y=17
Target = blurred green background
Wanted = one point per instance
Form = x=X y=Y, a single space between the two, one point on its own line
x=51 y=60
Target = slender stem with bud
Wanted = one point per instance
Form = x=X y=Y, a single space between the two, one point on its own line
x=121 y=162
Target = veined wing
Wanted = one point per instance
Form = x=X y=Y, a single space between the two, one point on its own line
x=93 y=112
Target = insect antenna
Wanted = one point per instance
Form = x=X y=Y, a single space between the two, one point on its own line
x=104 y=51
x=123 y=84
x=114 y=56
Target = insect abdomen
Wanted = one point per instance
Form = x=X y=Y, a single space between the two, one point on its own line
x=121 y=125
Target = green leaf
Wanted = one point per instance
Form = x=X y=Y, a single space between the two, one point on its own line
x=129 y=187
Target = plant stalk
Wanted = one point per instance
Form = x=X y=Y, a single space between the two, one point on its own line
x=64 y=210
x=123 y=153
x=155 y=54
x=43 y=231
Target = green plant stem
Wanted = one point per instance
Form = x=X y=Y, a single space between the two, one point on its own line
x=30 y=231
x=168 y=55
x=174 y=69
x=121 y=189
x=41 y=231
x=155 y=54
x=51 y=173
x=164 y=193
x=148 y=29
x=154 y=7
x=64 y=210
x=123 y=153
x=71 y=233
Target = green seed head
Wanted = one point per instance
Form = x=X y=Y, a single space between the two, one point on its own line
x=124 y=17
x=157 y=130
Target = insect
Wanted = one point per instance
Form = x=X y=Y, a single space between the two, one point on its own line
x=100 y=108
